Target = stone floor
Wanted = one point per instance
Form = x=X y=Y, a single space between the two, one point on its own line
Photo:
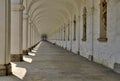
x=51 y=63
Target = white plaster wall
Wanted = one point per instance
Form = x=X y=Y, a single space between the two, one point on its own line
x=106 y=53
x=86 y=46
x=74 y=42
x=117 y=29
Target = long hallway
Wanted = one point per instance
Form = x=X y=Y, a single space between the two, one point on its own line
x=82 y=40
x=48 y=62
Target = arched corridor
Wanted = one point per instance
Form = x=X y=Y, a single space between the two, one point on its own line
x=59 y=40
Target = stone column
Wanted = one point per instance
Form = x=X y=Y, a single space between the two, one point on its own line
x=16 y=30
x=25 y=33
x=5 y=66
x=71 y=35
x=29 y=36
x=34 y=36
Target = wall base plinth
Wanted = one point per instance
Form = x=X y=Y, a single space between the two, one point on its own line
x=91 y=57
x=117 y=67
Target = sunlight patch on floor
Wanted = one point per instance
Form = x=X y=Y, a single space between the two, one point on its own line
x=19 y=72
x=31 y=54
x=34 y=51
x=27 y=59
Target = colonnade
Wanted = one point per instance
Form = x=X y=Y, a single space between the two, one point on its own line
x=89 y=28
x=17 y=34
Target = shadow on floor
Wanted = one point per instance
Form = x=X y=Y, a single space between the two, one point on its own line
x=51 y=63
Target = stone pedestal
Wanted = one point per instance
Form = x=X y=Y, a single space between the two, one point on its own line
x=25 y=52
x=5 y=69
x=16 y=57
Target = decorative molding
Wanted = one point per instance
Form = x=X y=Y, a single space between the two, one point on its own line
x=102 y=39
x=84 y=37
x=25 y=16
x=17 y=7
x=103 y=21
x=74 y=38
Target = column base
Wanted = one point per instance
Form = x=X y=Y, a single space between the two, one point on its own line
x=25 y=52
x=29 y=49
x=16 y=57
x=5 y=70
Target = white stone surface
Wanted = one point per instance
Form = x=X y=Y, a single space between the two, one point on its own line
x=106 y=53
x=4 y=32
x=16 y=27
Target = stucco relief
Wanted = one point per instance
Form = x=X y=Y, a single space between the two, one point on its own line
x=84 y=23
x=103 y=21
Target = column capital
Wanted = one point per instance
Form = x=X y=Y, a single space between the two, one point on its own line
x=17 y=7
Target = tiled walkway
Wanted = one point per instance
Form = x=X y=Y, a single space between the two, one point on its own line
x=51 y=63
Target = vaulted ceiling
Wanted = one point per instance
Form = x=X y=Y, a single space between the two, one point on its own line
x=49 y=15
